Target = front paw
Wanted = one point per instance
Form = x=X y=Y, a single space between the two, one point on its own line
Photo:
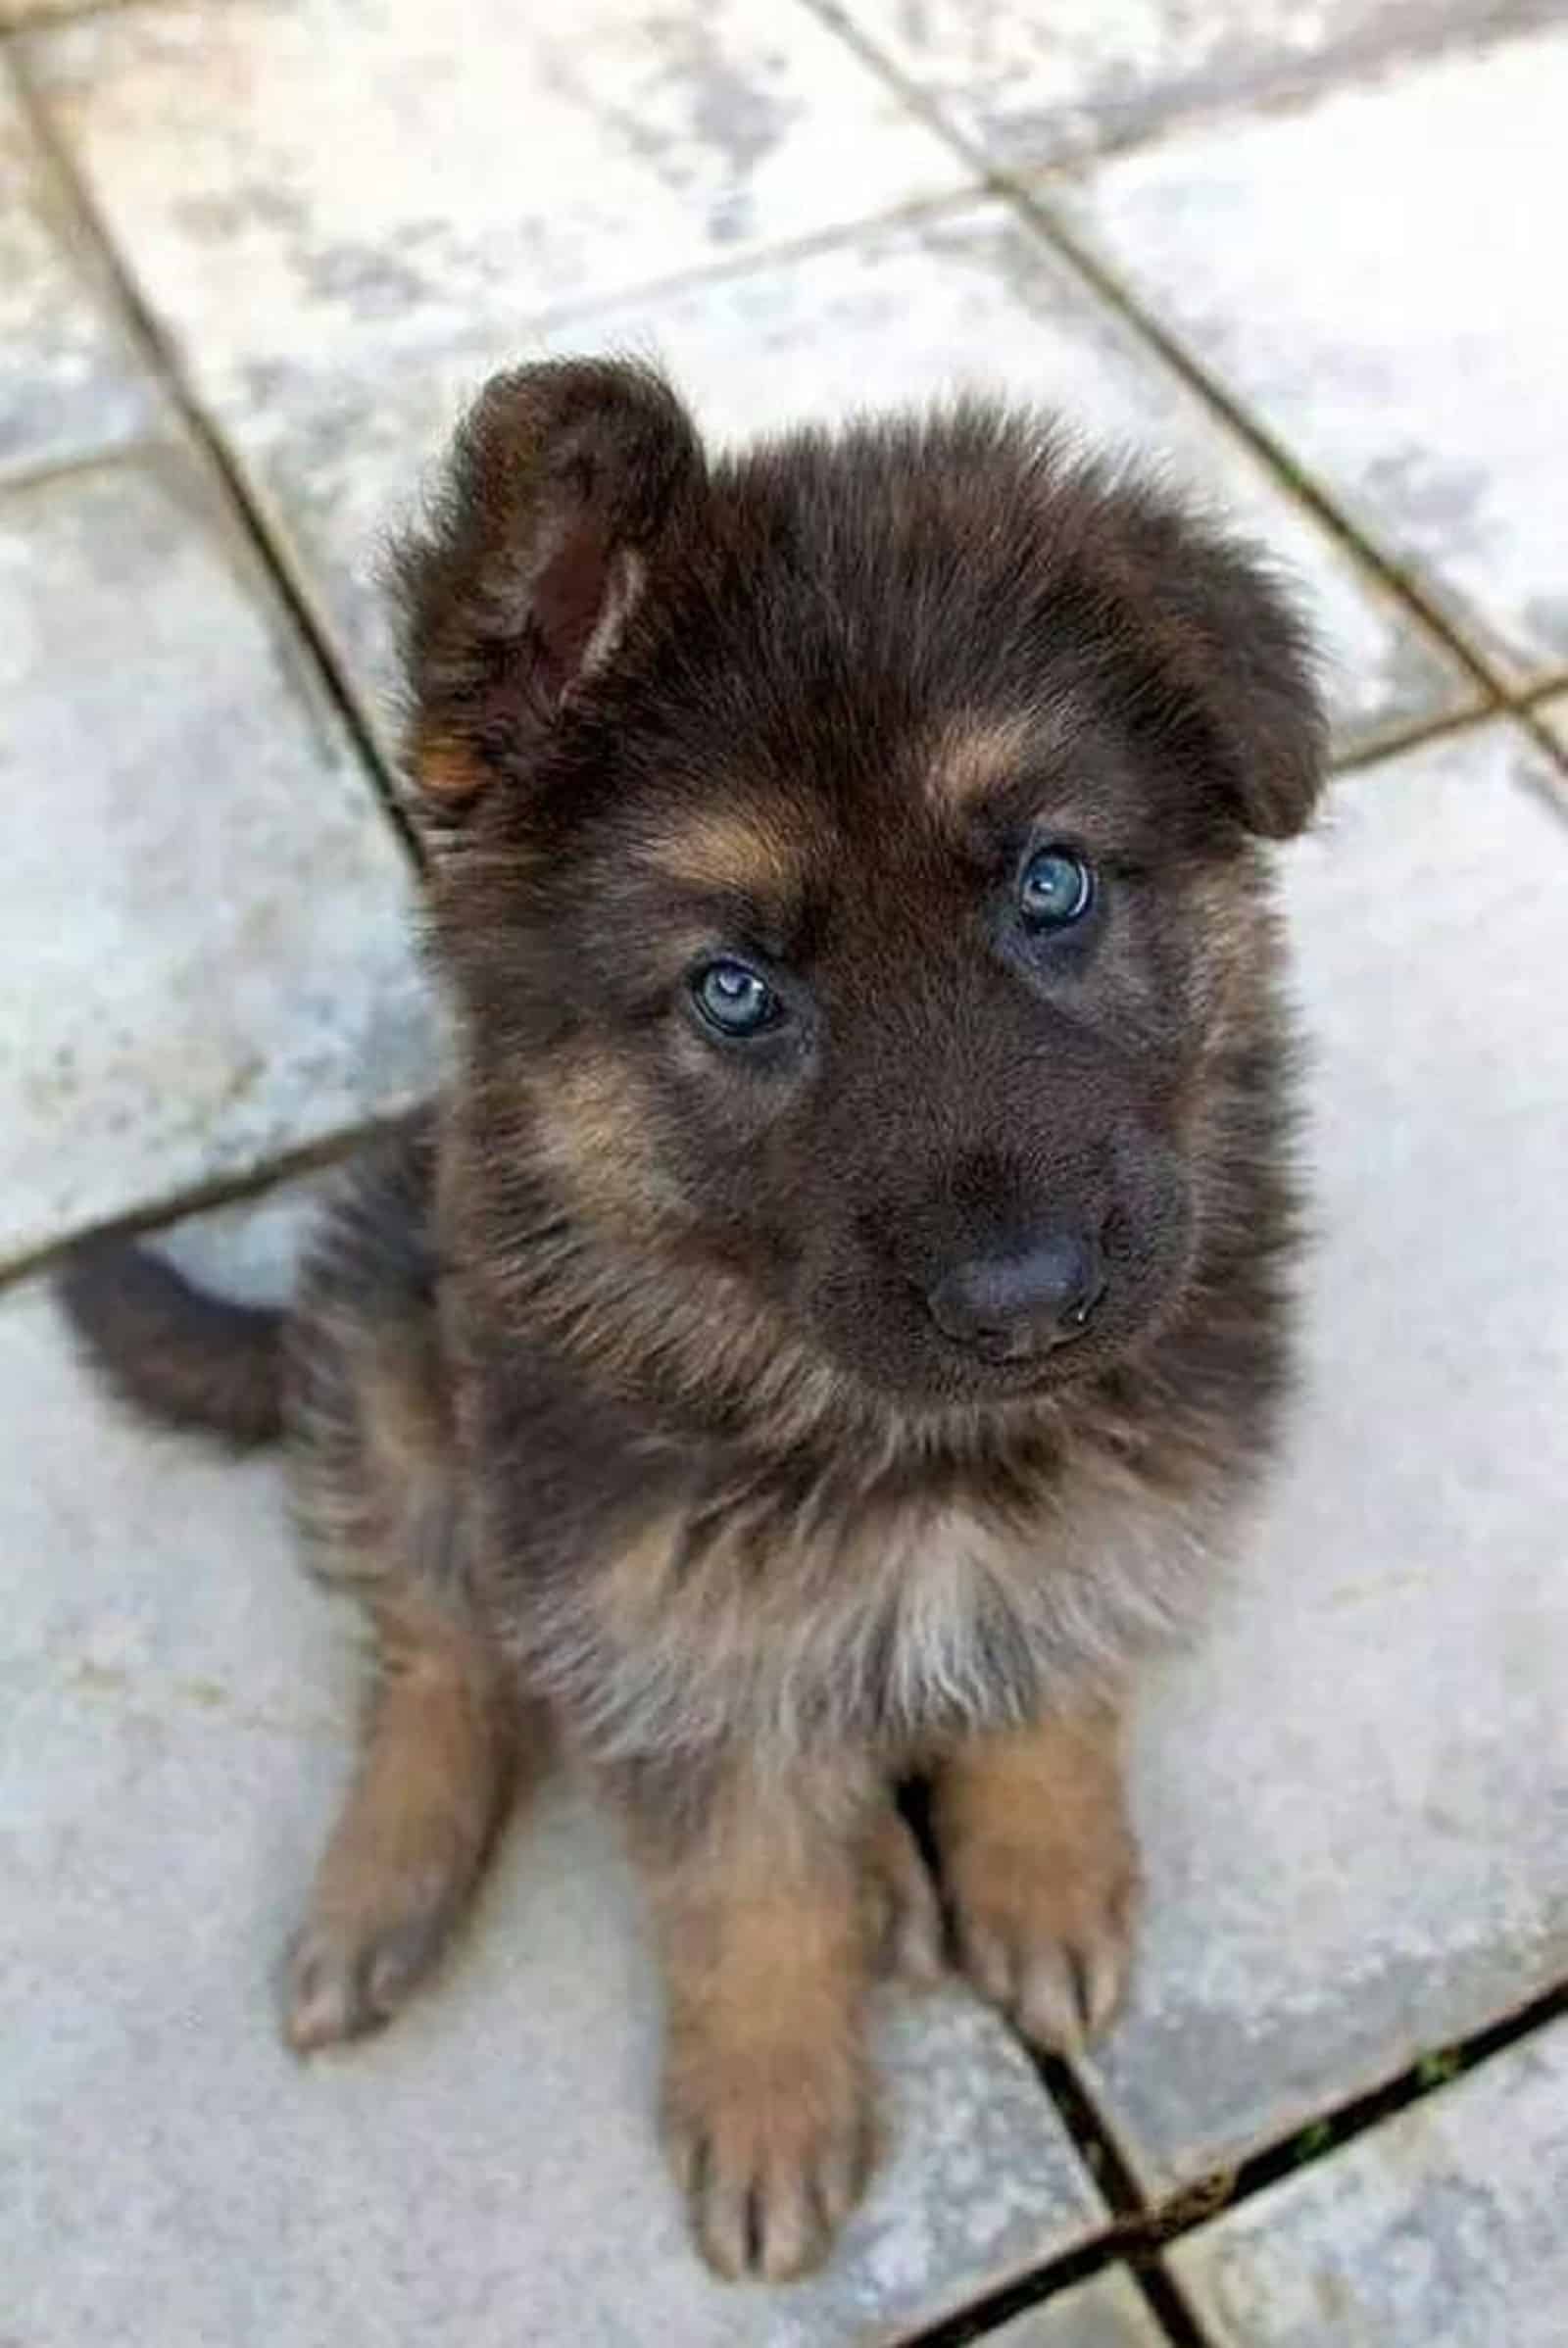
x=1046 y=1932
x=771 y=2149
x=354 y=1961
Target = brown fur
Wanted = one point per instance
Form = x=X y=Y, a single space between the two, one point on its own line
x=1042 y=1871
x=620 y=1383
x=763 y=1926
x=435 y=1766
x=971 y=757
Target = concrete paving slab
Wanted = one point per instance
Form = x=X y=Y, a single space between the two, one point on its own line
x=336 y=184
x=1355 y=1799
x=1366 y=274
x=202 y=915
x=174 y=1703
x=139 y=1561
x=905 y=313
x=487 y=2170
x=1031 y=84
x=1107 y=2311
x=1442 y=2230
x=68 y=384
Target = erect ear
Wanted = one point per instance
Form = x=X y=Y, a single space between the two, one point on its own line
x=1237 y=664
x=561 y=482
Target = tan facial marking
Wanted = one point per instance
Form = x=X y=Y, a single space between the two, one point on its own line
x=729 y=850
x=970 y=757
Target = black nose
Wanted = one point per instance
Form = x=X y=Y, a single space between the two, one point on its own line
x=1010 y=1306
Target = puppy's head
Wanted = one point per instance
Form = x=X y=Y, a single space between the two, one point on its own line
x=846 y=862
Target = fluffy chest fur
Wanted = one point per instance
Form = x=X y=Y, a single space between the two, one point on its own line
x=743 y=1625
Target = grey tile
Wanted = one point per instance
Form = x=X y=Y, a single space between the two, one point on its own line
x=1354 y=1797
x=903 y=313
x=1109 y=2312
x=68 y=382
x=201 y=947
x=1029 y=84
x=174 y=1698
x=486 y=2172
x=1442 y=2230
x=130 y=1560
x=1366 y=274
x=343 y=185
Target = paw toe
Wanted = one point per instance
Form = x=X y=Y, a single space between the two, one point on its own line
x=343 y=1981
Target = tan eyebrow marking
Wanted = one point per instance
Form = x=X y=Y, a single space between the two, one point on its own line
x=970 y=757
x=730 y=851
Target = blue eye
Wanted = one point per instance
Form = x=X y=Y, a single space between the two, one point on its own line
x=733 y=999
x=1055 y=890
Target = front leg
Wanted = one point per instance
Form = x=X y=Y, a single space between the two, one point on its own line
x=760 y=1909
x=1041 y=1871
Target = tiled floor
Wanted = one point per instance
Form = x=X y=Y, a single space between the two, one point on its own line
x=252 y=253
x=1445 y=2226
x=1384 y=314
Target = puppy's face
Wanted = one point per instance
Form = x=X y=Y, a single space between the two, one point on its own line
x=848 y=856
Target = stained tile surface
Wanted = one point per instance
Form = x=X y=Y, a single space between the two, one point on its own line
x=69 y=383
x=967 y=299
x=1442 y=2230
x=173 y=1706
x=1356 y=1797
x=1026 y=83
x=330 y=187
x=201 y=910
x=1367 y=275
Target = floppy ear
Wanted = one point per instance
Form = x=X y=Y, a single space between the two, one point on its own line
x=1252 y=668
x=561 y=483
x=1236 y=665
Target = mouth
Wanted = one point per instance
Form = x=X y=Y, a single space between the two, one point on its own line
x=997 y=1369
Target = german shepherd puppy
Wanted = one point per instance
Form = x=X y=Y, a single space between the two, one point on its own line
x=824 y=1329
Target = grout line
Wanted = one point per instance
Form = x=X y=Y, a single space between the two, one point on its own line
x=841 y=235
x=156 y=351
x=1394 y=743
x=100 y=456
x=1139 y=2236
x=1360 y=2114
x=1095 y=2143
x=202 y=1196
x=1532 y=716
x=1414 y=735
